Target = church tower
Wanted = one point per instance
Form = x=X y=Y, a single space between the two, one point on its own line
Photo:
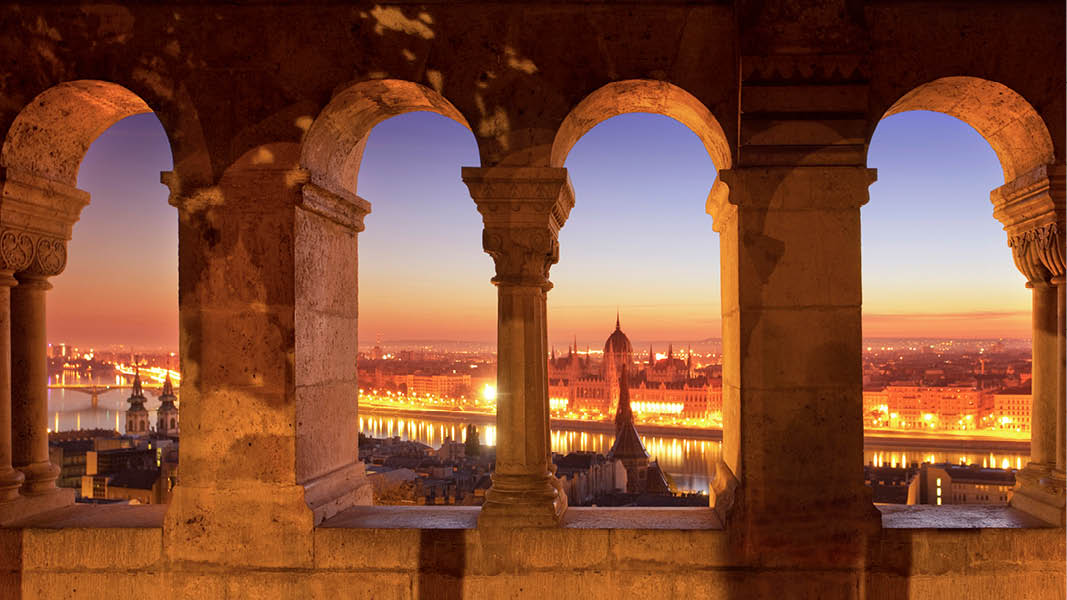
x=137 y=415
x=167 y=415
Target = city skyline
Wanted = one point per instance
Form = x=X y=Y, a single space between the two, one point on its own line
x=657 y=267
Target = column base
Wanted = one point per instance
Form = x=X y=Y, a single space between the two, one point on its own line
x=10 y=482
x=521 y=501
x=30 y=505
x=40 y=478
x=338 y=490
x=258 y=524
x=1041 y=493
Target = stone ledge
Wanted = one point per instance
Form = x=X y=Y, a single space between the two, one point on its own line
x=957 y=517
x=466 y=517
x=641 y=518
x=405 y=517
x=90 y=516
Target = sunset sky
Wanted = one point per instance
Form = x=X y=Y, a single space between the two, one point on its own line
x=935 y=261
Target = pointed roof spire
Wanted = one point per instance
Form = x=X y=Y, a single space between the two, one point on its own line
x=624 y=414
x=137 y=391
x=617 y=327
x=670 y=351
x=627 y=441
x=168 y=387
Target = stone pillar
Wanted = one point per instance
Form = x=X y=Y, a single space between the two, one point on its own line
x=1061 y=367
x=10 y=478
x=523 y=209
x=37 y=216
x=30 y=385
x=792 y=372
x=1032 y=210
x=267 y=335
x=1044 y=388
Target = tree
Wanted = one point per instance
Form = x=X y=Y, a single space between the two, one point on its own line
x=473 y=446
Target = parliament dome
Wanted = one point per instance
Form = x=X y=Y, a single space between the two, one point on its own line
x=618 y=343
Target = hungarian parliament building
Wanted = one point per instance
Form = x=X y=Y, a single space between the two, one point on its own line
x=670 y=386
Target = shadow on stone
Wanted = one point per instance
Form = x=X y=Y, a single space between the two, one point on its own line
x=442 y=562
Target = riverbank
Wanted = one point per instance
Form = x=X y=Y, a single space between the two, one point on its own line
x=951 y=440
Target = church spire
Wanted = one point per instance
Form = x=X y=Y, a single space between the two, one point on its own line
x=624 y=415
x=651 y=356
x=137 y=391
x=670 y=351
x=168 y=387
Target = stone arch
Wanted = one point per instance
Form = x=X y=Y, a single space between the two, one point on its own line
x=1011 y=125
x=642 y=95
x=333 y=147
x=50 y=136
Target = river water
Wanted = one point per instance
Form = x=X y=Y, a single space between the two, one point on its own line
x=691 y=462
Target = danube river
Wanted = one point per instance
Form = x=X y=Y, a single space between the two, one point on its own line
x=690 y=461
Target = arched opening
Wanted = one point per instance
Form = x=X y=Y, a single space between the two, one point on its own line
x=427 y=322
x=417 y=279
x=949 y=327
x=638 y=257
x=120 y=283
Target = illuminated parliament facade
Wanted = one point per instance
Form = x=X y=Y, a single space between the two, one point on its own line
x=267 y=107
x=668 y=386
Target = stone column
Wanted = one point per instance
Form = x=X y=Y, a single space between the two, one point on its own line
x=1032 y=210
x=1044 y=388
x=792 y=371
x=37 y=216
x=1061 y=368
x=523 y=209
x=267 y=304
x=16 y=254
x=10 y=478
x=29 y=387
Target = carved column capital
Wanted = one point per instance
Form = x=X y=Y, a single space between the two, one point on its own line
x=1031 y=207
x=31 y=254
x=523 y=209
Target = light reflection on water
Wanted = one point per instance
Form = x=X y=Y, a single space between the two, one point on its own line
x=690 y=462
x=71 y=409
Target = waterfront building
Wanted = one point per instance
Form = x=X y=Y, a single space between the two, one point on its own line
x=667 y=387
x=585 y=476
x=961 y=484
x=1008 y=409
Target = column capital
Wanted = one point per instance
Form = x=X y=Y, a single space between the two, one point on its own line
x=31 y=254
x=1031 y=208
x=831 y=187
x=38 y=206
x=523 y=209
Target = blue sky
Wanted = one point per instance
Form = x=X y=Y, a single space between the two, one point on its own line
x=935 y=261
